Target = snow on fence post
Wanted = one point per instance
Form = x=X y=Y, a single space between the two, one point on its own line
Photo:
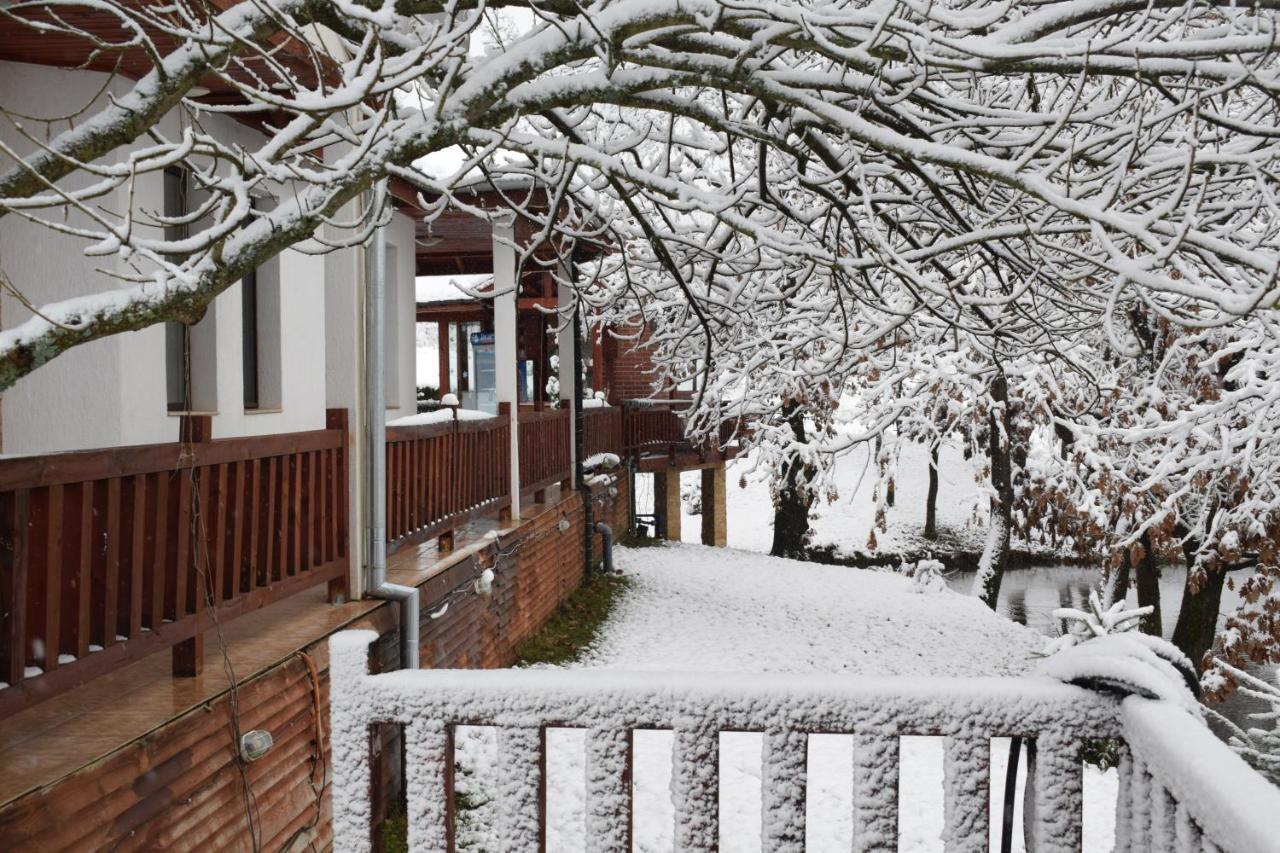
x=1055 y=804
x=695 y=787
x=966 y=770
x=428 y=764
x=783 y=781
x=608 y=772
x=520 y=789
x=349 y=741
x=875 y=792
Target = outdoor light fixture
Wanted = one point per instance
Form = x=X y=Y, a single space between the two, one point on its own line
x=255 y=744
x=563 y=525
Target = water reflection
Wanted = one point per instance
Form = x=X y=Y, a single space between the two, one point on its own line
x=1029 y=597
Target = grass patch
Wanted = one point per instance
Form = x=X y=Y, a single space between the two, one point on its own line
x=630 y=540
x=575 y=623
x=395 y=831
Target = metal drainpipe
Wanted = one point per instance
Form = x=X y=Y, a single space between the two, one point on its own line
x=376 y=443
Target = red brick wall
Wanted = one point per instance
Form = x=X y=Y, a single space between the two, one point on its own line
x=179 y=788
x=628 y=364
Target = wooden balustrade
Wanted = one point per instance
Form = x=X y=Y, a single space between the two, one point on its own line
x=108 y=555
x=441 y=475
x=652 y=427
x=544 y=448
x=602 y=431
x=1181 y=789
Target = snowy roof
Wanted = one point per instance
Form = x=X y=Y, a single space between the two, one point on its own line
x=448 y=288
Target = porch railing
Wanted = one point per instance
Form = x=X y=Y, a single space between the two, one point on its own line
x=544 y=448
x=602 y=430
x=108 y=555
x=440 y=476
x=1166 y=803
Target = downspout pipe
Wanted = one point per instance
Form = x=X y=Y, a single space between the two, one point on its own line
x=606 y=546
x=375 y=421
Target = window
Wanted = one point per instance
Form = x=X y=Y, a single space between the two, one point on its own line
x=177 y=336
x=249 y=335
x=189 y=351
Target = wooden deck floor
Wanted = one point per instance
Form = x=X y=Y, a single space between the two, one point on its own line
x=54 y=738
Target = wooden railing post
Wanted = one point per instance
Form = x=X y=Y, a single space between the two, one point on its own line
x=335 y=472
x=187 y=656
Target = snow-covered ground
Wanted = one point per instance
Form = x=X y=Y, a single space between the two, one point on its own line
x=703 y=609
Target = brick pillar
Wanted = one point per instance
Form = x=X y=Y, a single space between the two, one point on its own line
x=666 y=504
x=714 y=530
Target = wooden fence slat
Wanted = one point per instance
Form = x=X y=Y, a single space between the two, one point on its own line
x=111 y=578
x=313 y=515
x=182 y=562
x=137 y=559
x=16 y=538
x=84 y=573
x=216 y=531
x=254 y=474
x=160 y=550
x=53 y=583
x=295 y=561
x=695 y=788
x=875 y=793
x=1055 y=803
x=520 y=801
x=272 y=527
x=237 y=581
x=429 y=775
x=608 y=807
x=783 y=782
x=967 y=793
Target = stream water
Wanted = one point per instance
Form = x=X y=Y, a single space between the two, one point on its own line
x=1029 y=596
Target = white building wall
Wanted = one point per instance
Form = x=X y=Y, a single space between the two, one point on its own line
x=402 y=389
x=113 y=392
x=71 y=402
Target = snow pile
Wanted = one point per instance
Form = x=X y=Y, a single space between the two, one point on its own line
x=1128 y=663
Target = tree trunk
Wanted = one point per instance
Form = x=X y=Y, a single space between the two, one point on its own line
x=931 y=502
x=794 y=499
x=1118 y=580
x=1147 y=577
x=1198 y=616
x=995 y=556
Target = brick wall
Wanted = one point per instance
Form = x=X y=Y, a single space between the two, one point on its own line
x=628 y=365
x=179 y=787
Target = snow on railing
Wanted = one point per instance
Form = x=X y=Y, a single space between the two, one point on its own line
x=1160 y=800
x=1183 y=790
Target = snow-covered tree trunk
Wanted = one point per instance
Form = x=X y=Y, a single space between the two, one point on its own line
x=995 y=553
x=794 y=495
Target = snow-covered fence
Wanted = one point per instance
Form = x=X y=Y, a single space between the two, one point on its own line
x=1180 y=789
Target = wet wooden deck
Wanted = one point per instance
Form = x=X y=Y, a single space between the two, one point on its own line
x=50 y=740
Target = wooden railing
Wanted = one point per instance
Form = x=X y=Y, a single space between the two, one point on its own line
x=1204 y=797
x=544 y=448
x=439 y=476
x=108 y=555
x=652 y=426
x=602 y=431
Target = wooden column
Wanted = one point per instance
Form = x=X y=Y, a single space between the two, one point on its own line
x=505 y=343
x=714 y=530
x=666 y=503
x=565 y=343
x=443 y=347
x=187 y=657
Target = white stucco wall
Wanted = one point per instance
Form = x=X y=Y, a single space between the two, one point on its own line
x=113 y=392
